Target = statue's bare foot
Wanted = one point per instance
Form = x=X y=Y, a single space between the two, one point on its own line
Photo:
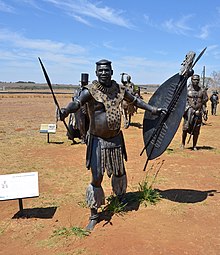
x=93 y=220
x=91 y=225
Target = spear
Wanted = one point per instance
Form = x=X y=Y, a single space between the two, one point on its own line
x=54 y=97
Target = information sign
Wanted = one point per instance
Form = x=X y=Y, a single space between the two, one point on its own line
x=17 y=186
x=48 y=128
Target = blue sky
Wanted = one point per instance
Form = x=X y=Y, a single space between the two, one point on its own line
x=147 y=39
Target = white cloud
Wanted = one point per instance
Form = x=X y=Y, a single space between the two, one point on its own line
x=178 y=26
x=5 y=7
x=212 y=47
x=20 y=55
x=161 y=52
x=145 y=71
x=149 y=22
x=213 y=51
x=143 y=62
x=204 y=32
x=20 y=42
x=86 y=9
x=109 y=45
x=80 y=19
x=171 y=25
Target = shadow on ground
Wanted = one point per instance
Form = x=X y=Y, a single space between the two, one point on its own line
x=132 y=202
x=42 y=213
x=207 y=148
x=186 y=195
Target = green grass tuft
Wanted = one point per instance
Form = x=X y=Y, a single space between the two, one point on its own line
x=77 y=231
x=148 y=195
x=114 y=205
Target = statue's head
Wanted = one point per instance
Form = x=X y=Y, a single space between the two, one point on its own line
x=104 y=72
x=84 y=79
x=195 y=79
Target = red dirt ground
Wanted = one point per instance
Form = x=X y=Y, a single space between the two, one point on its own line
x=185 y=221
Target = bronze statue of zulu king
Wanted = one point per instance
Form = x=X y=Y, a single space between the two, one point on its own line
x=105 y=144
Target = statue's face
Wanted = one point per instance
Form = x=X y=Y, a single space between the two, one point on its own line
x=104 y=74
x=195 y=80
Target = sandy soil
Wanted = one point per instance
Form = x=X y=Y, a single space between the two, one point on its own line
x=185 y=221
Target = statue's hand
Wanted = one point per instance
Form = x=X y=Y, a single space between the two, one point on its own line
x=159 y=111
x=63 y=114
x=190 y=73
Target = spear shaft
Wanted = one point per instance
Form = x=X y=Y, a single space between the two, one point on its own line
x=54 y=97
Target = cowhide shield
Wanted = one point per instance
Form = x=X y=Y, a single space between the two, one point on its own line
x=158 y=131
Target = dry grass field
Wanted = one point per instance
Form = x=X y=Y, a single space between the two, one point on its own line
x=184 y=221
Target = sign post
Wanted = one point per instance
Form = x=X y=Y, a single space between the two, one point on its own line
x=20 y=205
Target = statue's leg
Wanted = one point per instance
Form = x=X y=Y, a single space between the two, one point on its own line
x=94 y=194
x=119 y=186
x=185 y=127
x=126 y=120
x=129 y=120
x=94 y=198
x=184 y=135
x=83 y=128
x=195 y=137
x=214 y=109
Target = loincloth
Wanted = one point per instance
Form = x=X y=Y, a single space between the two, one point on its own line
x=106 y=154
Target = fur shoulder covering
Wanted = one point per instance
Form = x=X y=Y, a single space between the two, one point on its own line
x=111 y=97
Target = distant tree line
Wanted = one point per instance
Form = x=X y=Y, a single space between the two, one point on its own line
x=32 y=82
x=215 y=80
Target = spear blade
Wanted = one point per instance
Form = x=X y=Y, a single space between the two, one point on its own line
x=200 y=55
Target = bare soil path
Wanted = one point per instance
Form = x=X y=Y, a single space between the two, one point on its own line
x=185 y=221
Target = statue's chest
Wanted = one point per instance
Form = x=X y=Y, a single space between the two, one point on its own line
x=195 y=94
x=110 y=100
x=194 y=97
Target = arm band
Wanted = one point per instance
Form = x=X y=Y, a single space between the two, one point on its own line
x=135 y=99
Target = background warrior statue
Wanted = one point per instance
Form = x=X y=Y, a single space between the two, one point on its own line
x=214 y=102
x=196 y=98
x=128 y=109
x=105 y=143
x=79 y=121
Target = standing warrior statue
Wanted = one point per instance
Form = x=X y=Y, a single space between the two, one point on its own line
x=128 y=109
x=214 y=102
x=196 y=98
x=105 y=144
x=79 y=121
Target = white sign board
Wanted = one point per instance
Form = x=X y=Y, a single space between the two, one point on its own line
x=48 y=128
x=21 y=185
